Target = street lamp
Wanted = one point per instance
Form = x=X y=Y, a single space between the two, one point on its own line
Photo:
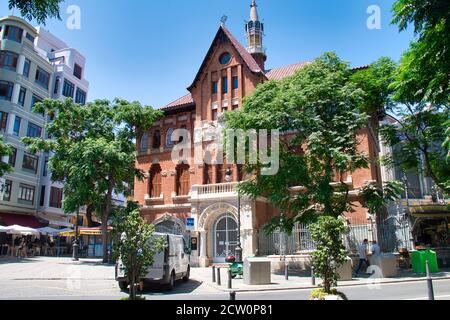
x=75 y=244
x=229 y=178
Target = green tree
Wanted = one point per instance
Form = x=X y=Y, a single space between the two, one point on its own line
x=330 y=252
x=376 y=81
x=418 y=138
x=136 y=246
x=421 y=91
x=5 y=150
x=94 y=151
x=321 y=108
x=376 y=198
x=40 y=10
x=423 y=73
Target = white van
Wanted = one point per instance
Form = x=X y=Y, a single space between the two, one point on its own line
x=172 y=264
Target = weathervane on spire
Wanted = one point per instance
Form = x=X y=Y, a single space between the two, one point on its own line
x=223 y=20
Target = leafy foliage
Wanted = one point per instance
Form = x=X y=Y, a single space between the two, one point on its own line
x=40 y=10
x=423 y=74
x=374 y=198
x=137 y=246
x=94 y=150
x=330 y=252
x=319 y=110
x=320 y=294
x=5 y=150
x=376 y=81
x=420 y=134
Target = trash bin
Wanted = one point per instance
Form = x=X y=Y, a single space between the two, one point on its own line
x=419 y=259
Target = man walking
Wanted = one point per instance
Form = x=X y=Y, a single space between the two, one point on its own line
x=363 y=256
x=376 y=250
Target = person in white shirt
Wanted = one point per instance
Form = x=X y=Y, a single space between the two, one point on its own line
x=363 y=256
x=376 y=250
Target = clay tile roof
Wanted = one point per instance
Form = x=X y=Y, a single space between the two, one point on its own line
x=285 y=71
x=185 y=100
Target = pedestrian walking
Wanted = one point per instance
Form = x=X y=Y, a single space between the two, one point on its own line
x=376 y=250
x=363 y=256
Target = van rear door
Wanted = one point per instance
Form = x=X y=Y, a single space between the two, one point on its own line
x=156 y=271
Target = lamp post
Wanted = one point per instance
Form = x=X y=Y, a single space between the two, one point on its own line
x=229 y=178
x=75 y=244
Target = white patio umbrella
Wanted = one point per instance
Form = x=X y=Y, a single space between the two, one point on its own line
x=22 y=231
x=3 y=229
x=48 y=231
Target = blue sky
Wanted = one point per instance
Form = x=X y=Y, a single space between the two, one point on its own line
x=150 y=50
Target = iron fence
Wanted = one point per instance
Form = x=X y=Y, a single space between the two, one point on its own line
x=390 y=237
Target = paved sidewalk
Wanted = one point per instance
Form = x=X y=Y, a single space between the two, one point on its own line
x=302 y=281
x=53 y=268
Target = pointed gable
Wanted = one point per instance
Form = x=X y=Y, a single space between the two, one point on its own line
x=249 y=61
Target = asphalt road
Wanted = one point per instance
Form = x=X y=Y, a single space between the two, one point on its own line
x=61 y=279
x=398 y=291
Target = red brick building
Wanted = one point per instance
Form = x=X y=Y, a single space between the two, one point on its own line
x=173 y=192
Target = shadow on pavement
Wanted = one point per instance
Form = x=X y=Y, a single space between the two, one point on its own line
x=180 y=288
x=16 y=260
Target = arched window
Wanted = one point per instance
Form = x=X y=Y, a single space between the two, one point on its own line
x=155 y=181
x=144 y=143
x=169 y=142
x=156 y=139
x=182 y=180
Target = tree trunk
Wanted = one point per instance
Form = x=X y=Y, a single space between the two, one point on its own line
x=133 y=285
x=89 y=210
x=105 y=218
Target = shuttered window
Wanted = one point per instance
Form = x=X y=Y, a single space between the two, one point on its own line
x=155 y=182
x=183 y=180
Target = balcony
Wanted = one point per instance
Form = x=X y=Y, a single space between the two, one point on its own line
x=214 y=191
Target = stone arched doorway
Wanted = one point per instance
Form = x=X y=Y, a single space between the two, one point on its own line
x=225 y=237
x=218 y=233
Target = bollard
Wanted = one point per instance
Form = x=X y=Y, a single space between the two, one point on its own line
x=429 y=283
x=232 y=296
x=213 y=274
x=219 y=282
x=230 y=279
x=286 y=271
x=313 y=277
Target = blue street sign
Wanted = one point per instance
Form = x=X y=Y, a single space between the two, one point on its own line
x=190 y=222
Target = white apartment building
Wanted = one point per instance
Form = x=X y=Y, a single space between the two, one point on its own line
x=68 y=82
x=34 y=65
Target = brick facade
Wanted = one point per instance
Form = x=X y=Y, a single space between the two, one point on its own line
x=200 y=109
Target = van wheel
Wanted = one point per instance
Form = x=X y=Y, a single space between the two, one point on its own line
x=171 y=283
x=188 y=274
x=123 y=285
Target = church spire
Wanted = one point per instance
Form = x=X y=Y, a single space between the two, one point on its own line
x=253 y=11
x=254 y=30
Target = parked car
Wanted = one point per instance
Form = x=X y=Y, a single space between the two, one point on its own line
x=170 y=265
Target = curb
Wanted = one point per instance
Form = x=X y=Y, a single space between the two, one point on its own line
x=315 y=287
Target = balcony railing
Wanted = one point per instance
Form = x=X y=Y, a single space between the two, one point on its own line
x=214 y=190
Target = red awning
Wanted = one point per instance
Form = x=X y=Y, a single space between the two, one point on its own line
x=10 y=219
